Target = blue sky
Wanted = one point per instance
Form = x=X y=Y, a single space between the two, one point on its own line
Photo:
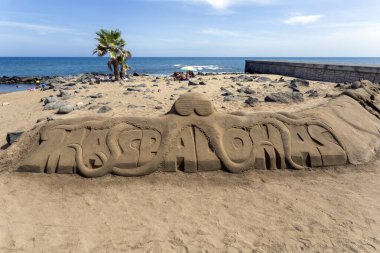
x=262 y=28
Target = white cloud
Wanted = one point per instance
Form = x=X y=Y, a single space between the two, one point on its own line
x=220 y=32
x=41 y=29
x=302 y=19
x=225 y=4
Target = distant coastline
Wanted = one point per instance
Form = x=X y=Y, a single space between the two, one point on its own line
x=64 y=66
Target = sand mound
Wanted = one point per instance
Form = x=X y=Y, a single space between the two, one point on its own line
x=193 y=137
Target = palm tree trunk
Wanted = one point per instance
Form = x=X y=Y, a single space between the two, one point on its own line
x=116 y=70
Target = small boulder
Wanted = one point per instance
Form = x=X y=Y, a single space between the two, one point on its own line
x=312 y=93
x=104 y=109
x=246 y=90
x=65 y=109
x=300 y=82
x=50 y=100
x=98 y=95
x=356 y=85
x=263 y=79
x=285 y=97
x=54 y=106
x=63 y=93
x=251 y=101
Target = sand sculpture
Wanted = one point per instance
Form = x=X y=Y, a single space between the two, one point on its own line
x=193 y=137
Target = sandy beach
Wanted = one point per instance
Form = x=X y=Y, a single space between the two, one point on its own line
x=332 y=209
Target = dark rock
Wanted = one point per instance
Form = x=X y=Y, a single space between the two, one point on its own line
x=136 y=74
x=13 y=136
x=98 y=95
x=104 y=109
x=134 y=89
x=251 y=101
x=300 y=82
x=192 y=83
x=356 y=85
x=226 y=92
x=284 y=97
x=246 y=90
x=294 y=87
x=312 y=93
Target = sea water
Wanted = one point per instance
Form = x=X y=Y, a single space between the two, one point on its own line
x=5 y=88
x=62 y=66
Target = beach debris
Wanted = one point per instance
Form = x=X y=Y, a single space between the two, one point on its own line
x=5 y=103
x=284 y=97
x=13 y=136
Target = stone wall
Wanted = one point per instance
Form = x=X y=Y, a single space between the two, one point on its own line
x=315 y=71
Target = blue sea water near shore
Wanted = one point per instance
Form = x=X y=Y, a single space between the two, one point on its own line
x=62 y=66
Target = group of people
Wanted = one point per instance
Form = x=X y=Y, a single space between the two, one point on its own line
x=180 y=76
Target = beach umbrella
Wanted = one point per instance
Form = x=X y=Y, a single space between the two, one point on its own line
x=188 y=68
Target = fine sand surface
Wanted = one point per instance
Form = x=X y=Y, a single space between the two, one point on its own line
x=321 y=210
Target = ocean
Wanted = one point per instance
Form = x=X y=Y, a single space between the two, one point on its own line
x=62 y=66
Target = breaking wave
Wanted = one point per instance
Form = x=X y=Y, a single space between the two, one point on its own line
x=198 y=67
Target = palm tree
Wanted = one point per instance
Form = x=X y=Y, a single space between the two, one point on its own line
x=110 y=42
